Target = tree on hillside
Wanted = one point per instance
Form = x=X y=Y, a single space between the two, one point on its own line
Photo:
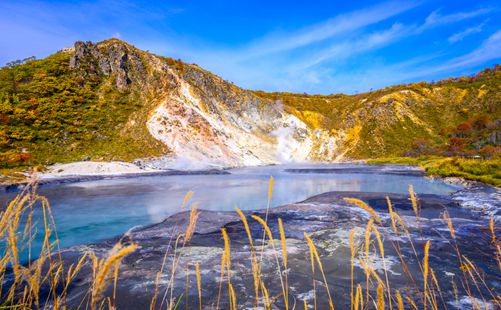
x=455 y=147
x=420 y=146
x=464 y=129
x=488 y=151
x=482 y=122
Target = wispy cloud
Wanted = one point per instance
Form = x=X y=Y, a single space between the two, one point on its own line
x=341 y=24
x=351 y=48
x=435 y=18
x=490 y=49
x=397 y=31
x=458 y=36
x=381 y=75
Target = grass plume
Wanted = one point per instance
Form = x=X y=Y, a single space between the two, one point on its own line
x=364 y=206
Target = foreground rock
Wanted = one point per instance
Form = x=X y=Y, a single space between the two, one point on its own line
x=328 y=220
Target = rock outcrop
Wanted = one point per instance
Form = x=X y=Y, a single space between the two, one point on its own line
x=116 y=60
x=198 y=116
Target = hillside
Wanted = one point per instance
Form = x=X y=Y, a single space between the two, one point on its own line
x=112 y=101
x=396 y=120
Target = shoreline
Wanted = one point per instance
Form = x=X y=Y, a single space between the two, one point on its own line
x=82 y=171
x=85 y=171
x=465 y=170
x=84 y=178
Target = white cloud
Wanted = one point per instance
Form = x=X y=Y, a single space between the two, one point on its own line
x=489 y=50
x=435 y=18
x=351 y=48
x=341 y=24
x=381 y=74
x=458 y=36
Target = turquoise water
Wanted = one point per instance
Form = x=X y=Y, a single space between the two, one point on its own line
x=87 y=212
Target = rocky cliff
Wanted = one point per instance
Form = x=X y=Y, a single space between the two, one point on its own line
x=198 y=116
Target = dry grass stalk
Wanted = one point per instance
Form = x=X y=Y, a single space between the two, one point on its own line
x=266 y=296
x=270 y=188
x=353 y=251
x=320 y=266
x=359 y=300
x=435 y=282
x=186 y=237
x=493 y=230
x=199 y=285
x=408 y=235
x=367 y=243
x=396 y=246
x=221 y=275
x=380 y=297
x=478 y=276
x=191 y=227
x=284 y=257
x=400 y=302
x=463 y=267
x=364 y=206
x=456 y=293
x=173 y=271
x=103 y=269
x=225 y=266
x=232 y=297
x=227 y=250
x=270 y=195
x=449 y=224
x=425 y=272
x=415 y=206
x=498 y=255
x=392 y=217
x=312 y=261
x=381 y=251
x=412 y=303
x=186 y=198
x=246 y=226
x=166 y=254
x=279 y=269
x=254 y=263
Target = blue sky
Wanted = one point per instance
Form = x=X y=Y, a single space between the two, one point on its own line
x=298 y=46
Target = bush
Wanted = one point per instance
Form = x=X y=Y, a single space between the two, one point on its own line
x=464 y=127
x=482 y=122
x=456 y=145
x=489 y=151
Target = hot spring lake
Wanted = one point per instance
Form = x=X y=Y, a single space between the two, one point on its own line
x=91 y=211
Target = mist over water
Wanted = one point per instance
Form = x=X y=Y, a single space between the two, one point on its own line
x=91 y=211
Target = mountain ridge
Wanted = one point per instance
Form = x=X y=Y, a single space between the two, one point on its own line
x=111 y=101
